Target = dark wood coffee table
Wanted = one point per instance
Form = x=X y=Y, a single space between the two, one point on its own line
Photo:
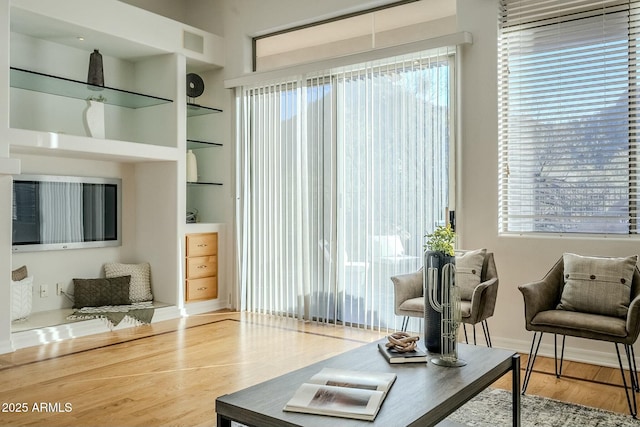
x=423 y=394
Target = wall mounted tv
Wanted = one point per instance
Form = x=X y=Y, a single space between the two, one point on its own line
x=53 y=212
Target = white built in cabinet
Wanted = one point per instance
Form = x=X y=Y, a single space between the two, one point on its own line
x=146 y=58
x=201 y=266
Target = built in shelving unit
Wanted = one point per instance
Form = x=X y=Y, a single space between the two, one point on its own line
x=145 y=126
x=196 y=199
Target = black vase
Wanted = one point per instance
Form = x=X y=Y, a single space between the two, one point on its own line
x=433 y=318
x=95 y=75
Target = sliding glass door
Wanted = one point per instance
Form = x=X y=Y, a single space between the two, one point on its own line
x=344 y=172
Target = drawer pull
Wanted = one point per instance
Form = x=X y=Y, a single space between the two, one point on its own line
x=201 y=266
x=202 y=289
x=202 y=245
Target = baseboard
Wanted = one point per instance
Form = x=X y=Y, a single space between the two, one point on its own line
x=49 y=334
x=200 y=307
x=166 y=313
x=600 y=358
x=6 y=347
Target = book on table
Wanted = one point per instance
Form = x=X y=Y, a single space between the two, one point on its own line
x=342 y=393
x=416 y=356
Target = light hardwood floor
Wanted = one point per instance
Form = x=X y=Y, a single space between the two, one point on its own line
x=170 y=373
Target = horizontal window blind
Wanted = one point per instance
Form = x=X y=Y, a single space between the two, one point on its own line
x=567 y=116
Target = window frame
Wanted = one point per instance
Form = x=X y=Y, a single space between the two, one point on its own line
x=255 y=39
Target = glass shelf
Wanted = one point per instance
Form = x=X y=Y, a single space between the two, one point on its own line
x=203 y=183
x=45 y=83
x=194 y=110
x=193 y=144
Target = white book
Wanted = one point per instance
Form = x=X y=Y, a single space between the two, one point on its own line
x=342 y=393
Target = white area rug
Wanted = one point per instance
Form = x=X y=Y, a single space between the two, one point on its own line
x=492 y=408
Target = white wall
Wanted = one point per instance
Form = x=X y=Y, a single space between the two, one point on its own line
x=5 y=187
x=197 y=13
x=171 y=9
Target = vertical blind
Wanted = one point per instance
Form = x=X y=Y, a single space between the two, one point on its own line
x=342 y=174
x=567 y=116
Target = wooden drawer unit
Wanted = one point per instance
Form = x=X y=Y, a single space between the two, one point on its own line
x=201 y=266
x=202 y=244
x=199 y=289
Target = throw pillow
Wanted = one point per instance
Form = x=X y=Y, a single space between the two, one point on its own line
x=597 y=285
x=469 y=271
x=21 y=298
x=140 y=288
x=99 y=292
x=19 y=273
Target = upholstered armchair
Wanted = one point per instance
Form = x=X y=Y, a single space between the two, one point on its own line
x=586 y=297
x=478 y=300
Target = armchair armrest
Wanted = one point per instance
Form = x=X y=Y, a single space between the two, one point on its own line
x=633 y=319
x=544 y=294
x=483 y=300
x=406 y=286
x=633 y=315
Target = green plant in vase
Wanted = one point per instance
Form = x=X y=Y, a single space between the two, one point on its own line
x=442 y=301
x=441 y=240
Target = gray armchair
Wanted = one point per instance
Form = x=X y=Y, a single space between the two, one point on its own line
x=544 y=312
x=409 y=300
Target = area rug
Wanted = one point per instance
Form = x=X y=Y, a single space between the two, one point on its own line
x=492 y=408
x=137 y=313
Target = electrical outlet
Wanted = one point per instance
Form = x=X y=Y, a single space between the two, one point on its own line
x=59 y=289
x=44 y=291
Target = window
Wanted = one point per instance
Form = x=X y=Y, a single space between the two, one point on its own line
x=395 y=23
x=567 y=116
x=344 y=172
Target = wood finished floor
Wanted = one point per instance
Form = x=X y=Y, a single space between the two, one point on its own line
x=170 y=373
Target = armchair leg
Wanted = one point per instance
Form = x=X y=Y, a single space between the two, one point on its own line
x=485 y=330
x=633 y=379
x=632 y=365
x=555 y=354
x=531 y=360
x=405 y=323
x=487 y=336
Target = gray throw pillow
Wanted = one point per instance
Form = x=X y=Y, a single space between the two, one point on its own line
x=597 y=285
x=99 y=292
x=469 y=271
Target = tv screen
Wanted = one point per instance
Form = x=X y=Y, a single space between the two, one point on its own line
x=65 y=212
